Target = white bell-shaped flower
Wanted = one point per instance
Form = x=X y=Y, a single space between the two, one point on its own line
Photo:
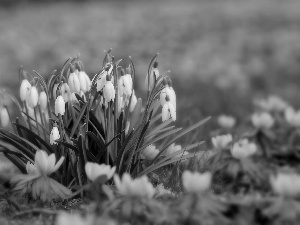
x=94 y=170
x=154 y=75
x=168 y=110
x=54 y=135
x=140 y=187
x=108 y=91
x=168 y=90
x=196 y=182
x=85 y=82
x=24 y=89
x=222 y=141
x=74 y=83
x=33 y=97
x=133 y=102
x=125 y=84
x=103 y=76
x=243 y=149
x=43 y=100
x=59 y=106
x=150 y=152
x=4 y=117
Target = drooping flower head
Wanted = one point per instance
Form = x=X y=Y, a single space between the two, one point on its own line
x=32 y=97
x=125 y=84
x=168 y=110
x=108 y=90
x=59 y=106
x=54 y=136
x=73 y=81
x=4 y=117
x=85 y=81
x=24 y=89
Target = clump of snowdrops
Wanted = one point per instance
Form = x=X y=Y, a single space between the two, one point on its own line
x=94 y=128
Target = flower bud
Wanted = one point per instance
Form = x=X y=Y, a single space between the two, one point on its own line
x=24 y=89
x=59 y=105
x=74 y=83
x=33 y=97
x=43 y=100
x=54 y=135
x=4 y=117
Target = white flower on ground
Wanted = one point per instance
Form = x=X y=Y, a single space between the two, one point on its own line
x=139 y=187
x=272 y=103
x=54 y=135
x=262 y=120
x=24 y=89
x=174 y=148
x=150 y=152
x=125 y=84
x=226 y=121
x=222 y=141
x=168 y=110
x=43 y=100
x=33 y=97
x=85 y=81
x=38 y=182
x=108 y=91
x=292 y=117
x=243 y=149
x=196 y=182
x=286 y=184
x=4 y=117
x=94 y=170
x=64 y=218
x=59 y=106
x=74 y=83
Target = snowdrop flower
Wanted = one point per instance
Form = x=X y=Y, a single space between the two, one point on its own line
x=150 y=152
x=38 y=182
x=33 y=97
x=262 y=120
x=139 y=187
x=64 y=218
x=59 y=106
x=243 y=149
x=154 y=74
x=43 y=100
x=103 y=76
x=85 y=81
x=222 y=141
x=272 y=103
x=65 y=91
x=4 y=117
x=168 y=90
x=286 y=184
x=94 y=170
x=133 y=102
x=125 y=84
x=292 y=117
x=196 y=182
x=226 y=121
x=24 y=89
x=168 y=110
x=54 y=135
x=174 y=148
x=108 y=91
x=73 y=82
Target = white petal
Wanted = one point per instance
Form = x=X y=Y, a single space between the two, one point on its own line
x=41 y=161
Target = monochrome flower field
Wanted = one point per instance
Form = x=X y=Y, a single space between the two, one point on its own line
x=88 y=150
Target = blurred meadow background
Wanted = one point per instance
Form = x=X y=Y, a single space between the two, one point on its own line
x=222 y=53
